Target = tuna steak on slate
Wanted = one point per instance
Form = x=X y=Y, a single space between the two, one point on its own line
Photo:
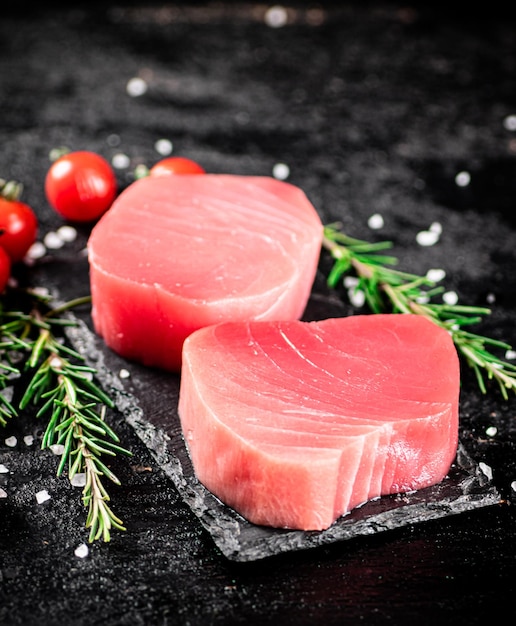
x=177 y=253
x=293 y=424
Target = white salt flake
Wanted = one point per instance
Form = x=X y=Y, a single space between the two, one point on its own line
x=3 y=469
x=427 y=238
x=78 y=480
x=356 y=297
x=121 y=161
x=52 y=241
x=281 y=171
x=82 y=551
x=510 y=355
x=350 y=281
x=450 y=297
x=491 y=431
x=11 y=441
x=163 y=147
x=486 y=470
x=3 y=493
x=462 y=179
x=28 y=440
x=57 y=449
x=123 y=373
x=513 y=486
x=376 y=221
x=435 y=275
x=509 y=122
x=490 y=298
x=42 y=496
x=67 y=233
x=136 y=87
x=436 y=227
x=36 y=251
x=276 y=16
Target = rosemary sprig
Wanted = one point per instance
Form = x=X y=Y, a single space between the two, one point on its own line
x=387 y=289
x=61 y=387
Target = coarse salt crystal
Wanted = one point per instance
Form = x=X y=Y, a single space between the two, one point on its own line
x=67 y=233
x=78 y=480
x=163 y=147
x=136 y=87
x=356 y=297
x=281 y=171
x=513 y=486
x=53 y=241
x=82 y=551
x=462 y=179
x=42 y=496
x=435 y=275
x=491 y=298
x=491 y=431
x=450 y=297
x=436 y=227
x=509 y=122
x=276 y=16
x=375 y=221
x=57 y=449
x=3 y=493
x=3 y=469
x=427 y=238
x=120 y=161
x=350 y=281
x=123 y=373
x=36 y=251
x=510 y=355
x=11 y=441
x=486 y=470
x=28 y=440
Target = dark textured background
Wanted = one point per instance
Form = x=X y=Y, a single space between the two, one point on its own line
x=375 y=107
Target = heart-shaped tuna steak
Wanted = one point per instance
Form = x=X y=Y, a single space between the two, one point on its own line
x=176 y=253
x=293 y=424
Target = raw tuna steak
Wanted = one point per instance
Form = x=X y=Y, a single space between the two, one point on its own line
x=293 y=424
x=177 y=253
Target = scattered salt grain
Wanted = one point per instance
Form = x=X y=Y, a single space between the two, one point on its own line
x=28 y=440
x=3 y=494
x=350 y=281
x=510 y=355
x=123 y=373
x=136 y=87
x=513 y=486
x=490 y=298
x=163 y=147
x=3 y=469
x=462 y=179
x=509 y=122
x=120 y=161
x=427 y=238
x=57 y=449
x=450 y=297
x=82 y=551
x=36 y=251
x=42 y=496
x=67 y=233
x=11 y=441
x=356 y=297
x=436 y=227
x=375 y=221
x=281 y=171
x=435 y=275
x=78 y=480
x=276 y=16
x=486 y=470
x=491 y=431
x=53 y=241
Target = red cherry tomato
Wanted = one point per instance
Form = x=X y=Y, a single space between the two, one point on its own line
x=175 y=165
x=5 y=268
x=80 y=186
x=18 y=222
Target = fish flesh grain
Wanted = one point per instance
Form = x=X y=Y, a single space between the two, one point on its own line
x=293 y=424
x=176 y=253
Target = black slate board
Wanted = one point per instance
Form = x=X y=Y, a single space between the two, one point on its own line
x=148 y=399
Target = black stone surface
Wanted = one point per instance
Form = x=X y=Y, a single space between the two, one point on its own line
x=375 y=108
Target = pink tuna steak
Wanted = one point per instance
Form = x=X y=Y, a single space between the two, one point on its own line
x=177 y=253
x=293 y=424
